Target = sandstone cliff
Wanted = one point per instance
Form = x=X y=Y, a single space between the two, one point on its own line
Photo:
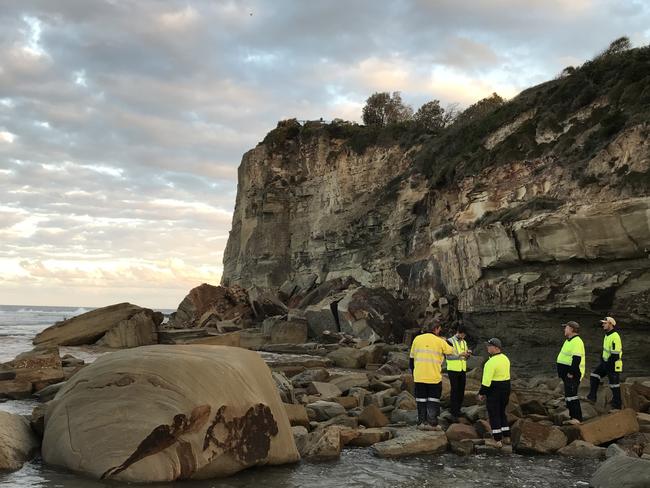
x=534 y=213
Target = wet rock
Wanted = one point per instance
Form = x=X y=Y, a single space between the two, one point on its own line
x=462 y=447
x=89 y=327
x=323 y=445
x=17 y=441
x=609 y=427
x=349 y=357
x=15 y=389
x=368 y=437
x=615 y=450
x=6 y=373
x=582 y=449
x=49 y=392
x=622 y=472
x=207 y=303
x=166 y=424
x=37 y=419
x=535 y=438
x=408 y=417
x=325 y=410
x=411 y=442
x=300 y=436
x=40 y=366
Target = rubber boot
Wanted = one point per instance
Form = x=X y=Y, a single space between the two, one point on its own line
x=433 y=410
x=616 y=397
x=422 y=412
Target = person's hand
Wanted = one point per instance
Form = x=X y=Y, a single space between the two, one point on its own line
x=481 y=398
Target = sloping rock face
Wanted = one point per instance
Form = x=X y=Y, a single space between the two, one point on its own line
x=206 y=305
x=514 y=249
x=165 y=413
x=91 y=326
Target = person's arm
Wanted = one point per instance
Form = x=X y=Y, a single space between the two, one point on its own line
x=614 y=355
x=574 y=369
x=412 y=365
x=488 y=374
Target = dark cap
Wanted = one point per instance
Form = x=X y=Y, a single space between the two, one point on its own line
x=495 y=342
x=574 y=325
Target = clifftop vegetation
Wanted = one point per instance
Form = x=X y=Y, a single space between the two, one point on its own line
x=612 y=91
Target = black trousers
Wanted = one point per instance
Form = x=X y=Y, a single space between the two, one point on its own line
x=427 y=398
x=496 y=402
x=571 y=396
x=602 y=370
x=457 y=382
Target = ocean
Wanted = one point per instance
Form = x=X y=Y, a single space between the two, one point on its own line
x=20 y=323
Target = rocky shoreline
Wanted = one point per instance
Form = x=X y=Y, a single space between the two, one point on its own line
x=334 y=389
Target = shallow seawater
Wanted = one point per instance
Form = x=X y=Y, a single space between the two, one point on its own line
x=359 y=468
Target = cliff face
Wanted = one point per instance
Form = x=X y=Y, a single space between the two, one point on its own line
x=515 y=246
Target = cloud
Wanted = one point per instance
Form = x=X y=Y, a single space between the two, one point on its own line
x=122 y=123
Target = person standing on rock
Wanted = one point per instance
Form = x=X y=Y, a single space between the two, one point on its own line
x=427 y=353
x=611 y=364
x=571 y=368
x=457 y=369
x=495 y=390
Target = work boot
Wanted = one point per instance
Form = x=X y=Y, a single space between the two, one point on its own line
x=433 y=411
x=506 y=441
x=593 y=388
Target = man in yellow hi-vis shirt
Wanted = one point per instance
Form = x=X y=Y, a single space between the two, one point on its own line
x=427 y=353
x=571 y=368
x=611 y=363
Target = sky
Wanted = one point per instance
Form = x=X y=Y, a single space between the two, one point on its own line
x=123 y=122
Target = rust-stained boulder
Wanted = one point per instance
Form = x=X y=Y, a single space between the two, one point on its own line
x=206 y=305
x=91 y=326
x=165 y=413
x=17 y=441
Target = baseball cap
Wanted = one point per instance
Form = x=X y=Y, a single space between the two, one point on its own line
x=495 y=342
x=610 y=320
x=574 y=325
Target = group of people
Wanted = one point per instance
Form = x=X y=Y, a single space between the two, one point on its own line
x=429 y=350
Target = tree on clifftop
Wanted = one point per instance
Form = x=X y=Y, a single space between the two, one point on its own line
x=480 y=108
x=616 y=46
x=432 y=118
x=382 y=109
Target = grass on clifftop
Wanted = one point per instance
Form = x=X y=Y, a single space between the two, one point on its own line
x=621 y=79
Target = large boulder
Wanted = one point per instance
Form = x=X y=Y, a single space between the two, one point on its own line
x=536 y=438
x=582 y=449
x=206 y=305
x=17 y=441
x=89 y=327
x=139 y=330
x=622 y=472
x=165 y=413
x=372 y=313
x=609 y=427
